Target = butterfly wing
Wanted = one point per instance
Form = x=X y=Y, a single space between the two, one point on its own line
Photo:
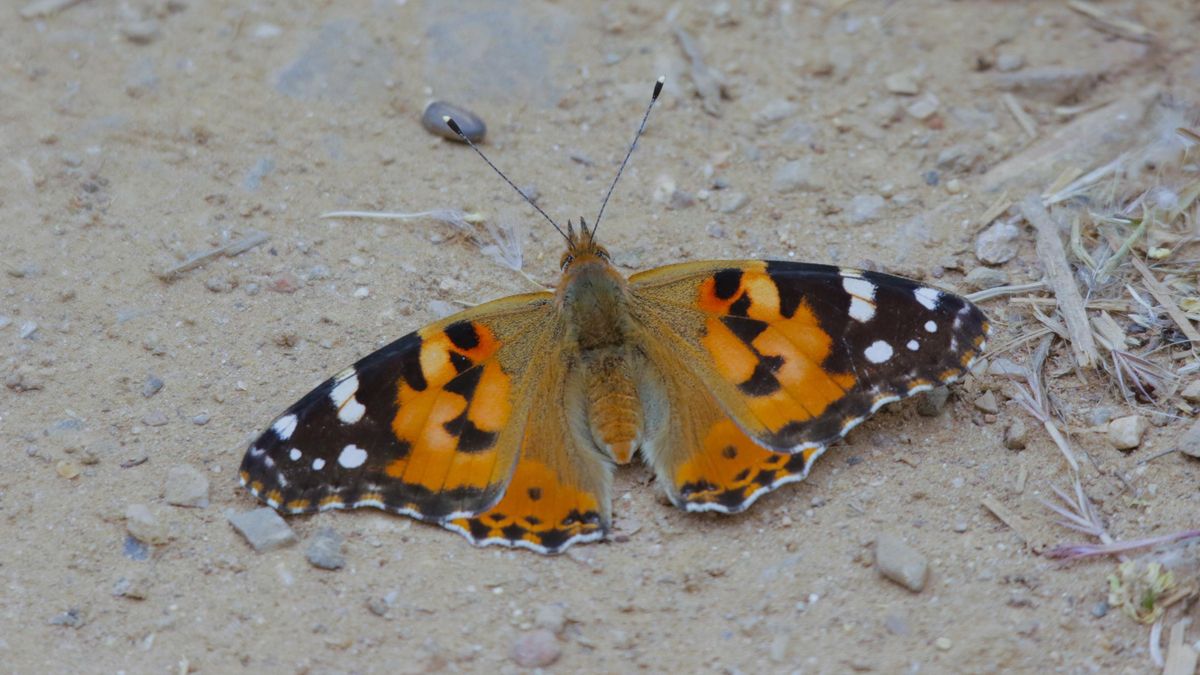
x=795 y=355
x=429 y=426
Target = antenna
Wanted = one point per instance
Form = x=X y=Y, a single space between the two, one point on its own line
x=455 y=128
x=658 y=86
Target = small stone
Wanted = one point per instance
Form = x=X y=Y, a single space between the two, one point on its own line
x=285 y=282
x=796 y=175
x=987 y=403
x=1100 y=415
x=152 y=385
x=470 y=123
x=186 y=486
x=218 y=284
x=1125 y=433
x=1100 y=609
x=864 y=208
x=900 y=562
x=362 y=293
x=143 y=525
x=536 y=649
x=67 y=469
x=924 y=107
x=680 y=199
x=1007 y=62
x=155 y=418
x=28 y=328
x=134 y=586
x=981 y=278
x=731 y=201
x=1016 y=435
x=263 y=529
x=552 y=617
x=72 y=618
x=1191 y=393
x=998 y=243
x=378 y=606
x=960 y=526
x=776 y=111
x=325 y=550
x=201 y=419
x=954 y=186
x=933 y=402
x=896 y=625
x=943 y=643
x=141 y=32
x=902 y=83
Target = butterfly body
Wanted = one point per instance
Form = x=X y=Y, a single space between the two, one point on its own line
x=505 y=422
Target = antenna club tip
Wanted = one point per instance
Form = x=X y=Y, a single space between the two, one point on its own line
x=658 y=86
x=452 y=124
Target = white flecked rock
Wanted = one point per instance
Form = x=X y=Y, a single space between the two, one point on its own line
x=186 y=486
x=1125 y=433
x=900 y=562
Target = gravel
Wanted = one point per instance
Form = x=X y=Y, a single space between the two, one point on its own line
x=900 y=562
x=325 y=550
x=186 y=486
x=263 y=529
x=997 y=244
x=536 y=649
x=795 y=176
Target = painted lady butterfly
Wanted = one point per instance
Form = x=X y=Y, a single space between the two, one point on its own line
x=504 y=422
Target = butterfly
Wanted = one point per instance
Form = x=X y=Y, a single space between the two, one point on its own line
x=505 y=422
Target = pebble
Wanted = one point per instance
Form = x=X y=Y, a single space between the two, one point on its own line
x=1007 y=62
x=362 y=293
x=325 y=550
x=933 y=402
x=680 y=199
x=981 y=278
x=902 y=83
x=776 y=111
x=134 y=586
x=72 y=618
x=135 y=549
x=186 y=486
x=943 y=643
x=924 y=107
x=731 y=201
x=865 y=208
x=218 y=284
x=796 y=175
x=536 y=649
x=1125 y=433
x=263 y=529
x=1191 y=393
x=552 y=617
x=1100 y=416
x=987 y=403
x=900 y=562
x=67 y=469
x=201 y=419
x=156 y=418
x=5 y=320
x=141 y=32
x=896 y=625
x=152 y=385
x=470 y=123
x=28 y=328
x=998 y=243
x=1016 y=435
x=143 y=525
x=1100 y=609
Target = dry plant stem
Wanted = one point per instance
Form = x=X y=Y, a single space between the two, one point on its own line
x=1181 y=657
x=1113 y=25
x=1111 y=264
x=1163 y=296
x=989 y=293
x=235 y=247
x=1077 y=551
x=1033 y=399
x=1061 y=281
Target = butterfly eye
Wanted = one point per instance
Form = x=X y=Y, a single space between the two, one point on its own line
x=567 y=260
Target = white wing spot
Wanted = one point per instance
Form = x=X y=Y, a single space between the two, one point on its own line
x=352 y=456
x=861 y=310
x=860 y=287
x=928 y=297
x=318 y=464
x=913 y=345
x=284 y=427
x=930 y=327
x=342 y=395
x=295 y=454
x=878 y=352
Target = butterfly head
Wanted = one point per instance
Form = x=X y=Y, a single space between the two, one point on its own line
x=582 y=247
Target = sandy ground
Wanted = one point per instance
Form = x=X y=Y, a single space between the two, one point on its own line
x=137 y=133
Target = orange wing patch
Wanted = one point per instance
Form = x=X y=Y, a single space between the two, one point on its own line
x=731 y=471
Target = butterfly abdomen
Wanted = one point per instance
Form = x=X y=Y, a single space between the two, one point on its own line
x=614 y=407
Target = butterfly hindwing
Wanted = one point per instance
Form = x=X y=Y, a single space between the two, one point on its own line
x=429 y=426
x=798 y=354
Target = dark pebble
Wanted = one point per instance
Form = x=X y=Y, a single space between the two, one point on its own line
x=931 y=177
x=134 y=549
x=472 y=127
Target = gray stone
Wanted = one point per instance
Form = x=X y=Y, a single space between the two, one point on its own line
x=325 y=550
x=468 y=122
x=1016 y=435
x=152 y=385
x=902 y=83
x=1125 y=433
x=135 y=585
x=900 y=562
x=776 y=111
x=981 y=278
x=864 y=208
x=263 y=529
x=731 y=201
x=186 y=486
x=1007 y=62
x=924 y=107
x=536 y=649
x=143 y=525
x=987 y=403
x=998 y=243
x=28 y=328
x=796 y=175
x=933 y=402
x=155 y=418
x=896 y=625
x=1191 y=393
x=552 y=617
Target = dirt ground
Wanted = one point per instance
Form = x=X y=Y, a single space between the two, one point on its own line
x=135 y=134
